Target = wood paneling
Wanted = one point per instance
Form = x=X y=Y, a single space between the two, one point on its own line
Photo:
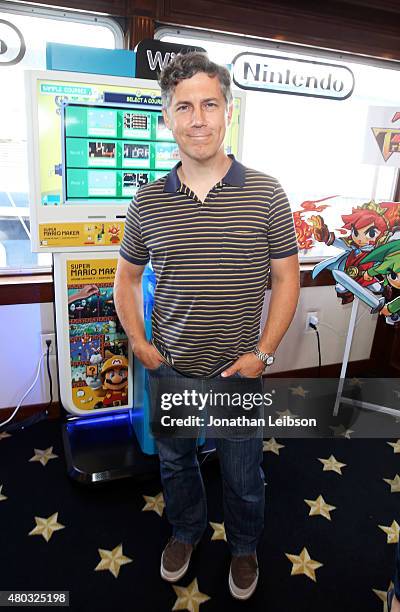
x=148 y=8
x=54 y=412
x=34 y=289
x=385 y=351
x=38 y=289
x=140 y=28
x=333 y=25
x=322 y=280
x=361 y=26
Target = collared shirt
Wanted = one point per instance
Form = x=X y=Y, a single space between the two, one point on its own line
x=211 y=260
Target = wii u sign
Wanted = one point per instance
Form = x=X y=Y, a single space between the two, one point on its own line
x=153 y=55
x=298 y=77
x=157 y=61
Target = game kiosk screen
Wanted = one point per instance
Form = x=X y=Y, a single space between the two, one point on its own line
x=91 y=145
x=109 y=152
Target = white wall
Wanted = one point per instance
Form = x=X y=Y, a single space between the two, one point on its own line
x=21 y=326
x=299 y=350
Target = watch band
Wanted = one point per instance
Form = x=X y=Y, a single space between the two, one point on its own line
x=267 y=358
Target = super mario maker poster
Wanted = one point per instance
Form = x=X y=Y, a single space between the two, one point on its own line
x=98 y=344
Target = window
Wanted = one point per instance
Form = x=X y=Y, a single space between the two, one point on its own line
x=313 y=146
x=36 y=26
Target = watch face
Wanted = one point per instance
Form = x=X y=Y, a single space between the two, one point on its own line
x=270 y=360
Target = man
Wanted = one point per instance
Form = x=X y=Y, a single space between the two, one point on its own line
x=393 y=594
x=213 y=230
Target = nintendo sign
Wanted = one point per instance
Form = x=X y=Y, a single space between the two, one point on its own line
x=298 y=77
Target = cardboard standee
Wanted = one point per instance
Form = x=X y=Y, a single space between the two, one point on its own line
x=340 y=399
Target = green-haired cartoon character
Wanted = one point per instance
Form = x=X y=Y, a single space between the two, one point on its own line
x=386 y=259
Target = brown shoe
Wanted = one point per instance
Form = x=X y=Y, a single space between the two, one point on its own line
x=243 y=576
x=175 y=560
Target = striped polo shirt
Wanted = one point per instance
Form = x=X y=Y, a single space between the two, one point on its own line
x=211 y=260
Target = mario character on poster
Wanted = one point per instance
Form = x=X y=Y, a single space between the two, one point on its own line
x=112 y=385
x=98 y=343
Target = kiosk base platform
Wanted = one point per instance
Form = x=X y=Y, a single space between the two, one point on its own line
x=100 y=449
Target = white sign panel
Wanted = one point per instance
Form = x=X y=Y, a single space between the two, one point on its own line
x=382 y=138
x=298 y=77
x=12 y=44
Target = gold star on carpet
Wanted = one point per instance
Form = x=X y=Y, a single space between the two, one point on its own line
x=2 y=497
x=319 y=506
x=272 y=446
x=112 y=560
x=340 y=430
x=219 y=531
x=303 y=564
x=286 y=413
x=395 y=445
x=189 y=598
x=383 y=596
x=43 y=455
x=46 y=527
x=332 y=465
x=154 y=503
x=392 y=532
x=394 y=484
x=4 y=435
x=300 y=391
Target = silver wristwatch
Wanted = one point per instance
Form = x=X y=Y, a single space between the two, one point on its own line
x=267 y=358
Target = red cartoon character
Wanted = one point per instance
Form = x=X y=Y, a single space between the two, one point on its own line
x=368 y=228
x=304 y=230
x=114 y=231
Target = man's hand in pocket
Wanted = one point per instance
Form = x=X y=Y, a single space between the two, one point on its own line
x=148 y=356
x=248 y=365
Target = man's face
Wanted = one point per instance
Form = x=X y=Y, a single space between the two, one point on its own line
x=198 y=116
x=365 y=235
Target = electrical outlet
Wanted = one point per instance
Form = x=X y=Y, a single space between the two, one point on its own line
x=309 y=317
x=43 y=345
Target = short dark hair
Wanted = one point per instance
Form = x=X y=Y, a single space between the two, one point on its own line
x=184 y=66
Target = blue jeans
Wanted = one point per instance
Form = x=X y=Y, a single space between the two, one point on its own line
x=397 y=572
x=184 y=493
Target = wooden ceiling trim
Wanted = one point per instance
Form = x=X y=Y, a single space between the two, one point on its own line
x=294 y=25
